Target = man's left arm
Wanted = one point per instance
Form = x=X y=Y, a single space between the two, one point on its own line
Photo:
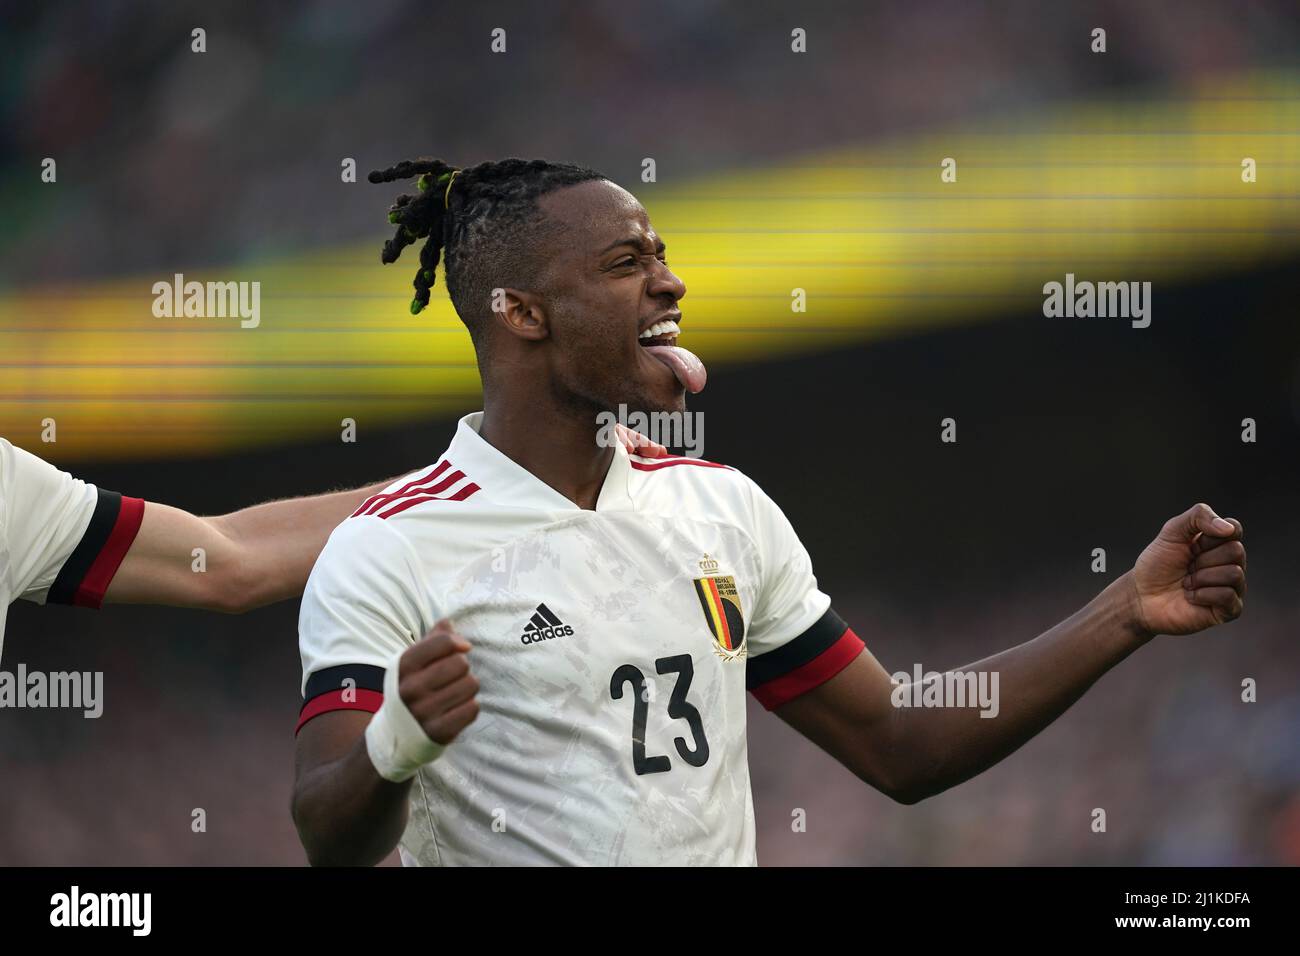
x=1191 y=577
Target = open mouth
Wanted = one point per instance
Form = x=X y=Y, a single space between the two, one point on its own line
x=664 y=332
x=660 y=340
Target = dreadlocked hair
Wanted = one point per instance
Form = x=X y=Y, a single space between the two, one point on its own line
x=488 y=227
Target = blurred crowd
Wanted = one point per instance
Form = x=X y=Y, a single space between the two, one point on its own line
x=167 y=155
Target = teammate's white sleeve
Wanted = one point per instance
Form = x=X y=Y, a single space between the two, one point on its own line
x=63 y=538
x=46 y=511
x=363 y=605
x=796 y=641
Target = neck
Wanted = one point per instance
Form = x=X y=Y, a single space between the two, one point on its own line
x=557 y=445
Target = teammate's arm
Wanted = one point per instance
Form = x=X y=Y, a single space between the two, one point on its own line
x=1190 y=578
x=249 y=558
x=346 y=813
x=233 y=562
x=252 y=557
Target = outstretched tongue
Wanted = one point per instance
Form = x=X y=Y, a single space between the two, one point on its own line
x=690 y=371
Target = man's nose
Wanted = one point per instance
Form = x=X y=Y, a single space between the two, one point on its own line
x=665 y=282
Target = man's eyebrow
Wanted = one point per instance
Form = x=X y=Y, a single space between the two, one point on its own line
x=633 y=241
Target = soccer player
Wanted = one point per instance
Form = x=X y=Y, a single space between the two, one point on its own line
x=68 y=542
x=537 y=649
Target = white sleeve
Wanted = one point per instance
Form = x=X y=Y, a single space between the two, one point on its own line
x=44 y=514
x=797 y=641
x=363 y=605
x=789 y=600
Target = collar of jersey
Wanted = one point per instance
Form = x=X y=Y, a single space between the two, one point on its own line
x=503 y=480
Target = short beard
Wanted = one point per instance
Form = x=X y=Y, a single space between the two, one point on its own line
x=587 y=404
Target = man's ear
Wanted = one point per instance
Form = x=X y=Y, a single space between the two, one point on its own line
x=522 y=314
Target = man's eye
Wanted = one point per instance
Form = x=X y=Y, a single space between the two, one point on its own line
x=632 y=260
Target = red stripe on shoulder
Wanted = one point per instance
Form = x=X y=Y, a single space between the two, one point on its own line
x=361 y=699
x=374 y=502
x=812 y=674
x=655 y=464
x=91 y=591
x=461 y=494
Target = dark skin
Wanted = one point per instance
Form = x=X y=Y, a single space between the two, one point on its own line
x=562 y=354
x=566 y=354
x=1191 y=577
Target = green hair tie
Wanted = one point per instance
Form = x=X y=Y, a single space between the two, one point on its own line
x=416 y=306
x=428 y=275
x=394 y=216
x=423 y=182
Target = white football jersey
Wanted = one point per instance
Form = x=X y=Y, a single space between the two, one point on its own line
x=61 y=539
x=613 y=648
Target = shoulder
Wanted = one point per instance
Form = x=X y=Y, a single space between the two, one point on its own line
x=711 y=490
x=363 y=547
x=711 y=487
x=680 y=470
x=7 y=456
x=17 y=465
x=385 y=531
x=423 y=491
x=27 y=481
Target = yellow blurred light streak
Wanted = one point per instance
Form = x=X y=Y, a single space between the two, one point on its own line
x=1108 y=191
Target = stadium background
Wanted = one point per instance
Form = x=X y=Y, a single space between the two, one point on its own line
x=775 y=170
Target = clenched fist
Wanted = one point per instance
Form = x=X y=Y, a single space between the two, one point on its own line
x=1193 y=575
x=435 y=683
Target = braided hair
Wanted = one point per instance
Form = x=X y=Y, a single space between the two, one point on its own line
x=491 y=230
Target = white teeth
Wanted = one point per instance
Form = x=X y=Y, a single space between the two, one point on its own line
x=667 y=327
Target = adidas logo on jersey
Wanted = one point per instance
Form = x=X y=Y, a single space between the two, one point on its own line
x=543 y=626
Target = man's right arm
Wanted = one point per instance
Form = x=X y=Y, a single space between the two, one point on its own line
x=347 y=813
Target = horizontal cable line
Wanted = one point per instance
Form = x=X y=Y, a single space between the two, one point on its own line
x=1107 y=231
x=1045 y=164
x=687 y=330
x=230 y=399
x=305 y=365
x=804 y=197
x=1059 y=134
x=1011 y=260
x=677 y=262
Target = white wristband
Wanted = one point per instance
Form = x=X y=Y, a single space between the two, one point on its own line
x=395 y=741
